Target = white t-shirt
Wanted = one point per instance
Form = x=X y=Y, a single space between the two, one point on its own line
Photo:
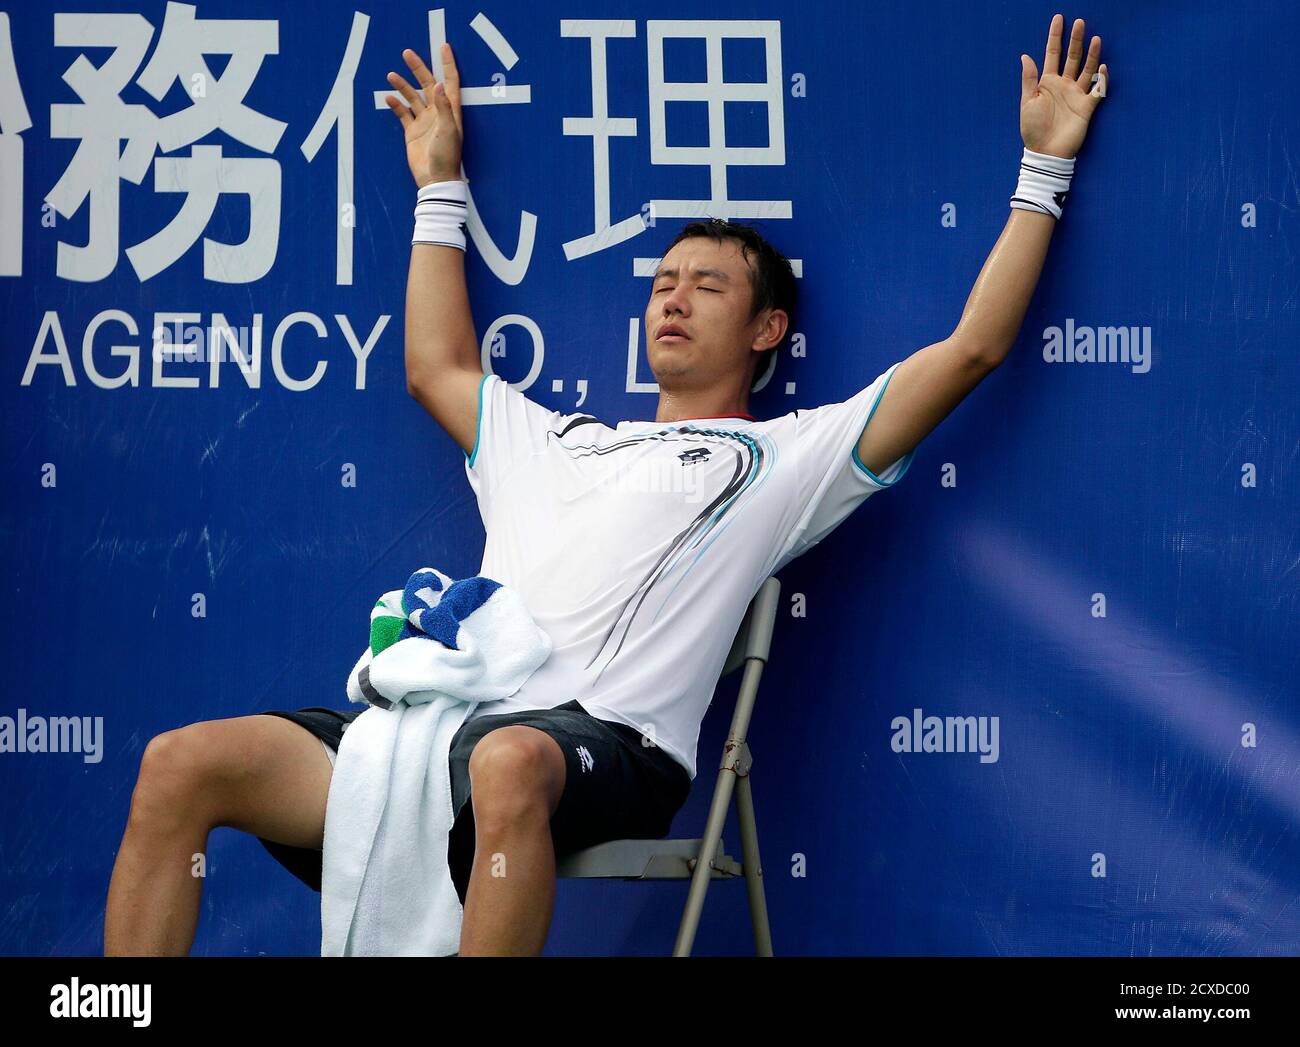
x=638 y=547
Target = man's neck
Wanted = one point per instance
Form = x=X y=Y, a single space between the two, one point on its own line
x=685 y=407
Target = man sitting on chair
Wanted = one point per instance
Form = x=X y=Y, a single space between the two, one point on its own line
x=637 y=546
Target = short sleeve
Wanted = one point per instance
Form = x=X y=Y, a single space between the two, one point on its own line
x=511 y=429
x=832 y=478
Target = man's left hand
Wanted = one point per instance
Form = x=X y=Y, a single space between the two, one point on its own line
x=1055 y=110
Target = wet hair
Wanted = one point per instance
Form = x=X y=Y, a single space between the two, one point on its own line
x=771 y=277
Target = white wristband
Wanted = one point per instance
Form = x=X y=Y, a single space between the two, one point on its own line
x=1044 y=182
x=441 y=211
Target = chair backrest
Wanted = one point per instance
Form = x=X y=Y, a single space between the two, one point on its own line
x=754 y=637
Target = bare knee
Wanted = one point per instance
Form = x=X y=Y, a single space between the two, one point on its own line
x=178 y=783
x=517 y=776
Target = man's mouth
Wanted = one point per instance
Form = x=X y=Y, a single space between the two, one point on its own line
x=671 y=333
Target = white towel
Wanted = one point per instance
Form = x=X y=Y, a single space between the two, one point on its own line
x=385 y=885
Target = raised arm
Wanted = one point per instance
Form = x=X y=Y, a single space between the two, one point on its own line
x=443 y=366
x=1054 y=115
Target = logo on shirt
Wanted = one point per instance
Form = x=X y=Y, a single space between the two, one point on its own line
x=586 y=758
x=695 y=454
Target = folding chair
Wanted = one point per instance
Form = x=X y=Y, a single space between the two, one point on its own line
x=681 y=859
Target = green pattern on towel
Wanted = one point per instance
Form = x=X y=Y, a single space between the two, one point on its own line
x=386 y=621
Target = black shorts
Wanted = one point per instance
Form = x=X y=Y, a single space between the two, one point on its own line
x=614 y=787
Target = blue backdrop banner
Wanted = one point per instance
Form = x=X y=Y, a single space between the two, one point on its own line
x=212 y=467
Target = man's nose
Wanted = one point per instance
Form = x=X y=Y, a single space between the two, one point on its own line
x=676 y=301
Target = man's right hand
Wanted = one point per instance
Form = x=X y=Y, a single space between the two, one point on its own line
x=434 y=131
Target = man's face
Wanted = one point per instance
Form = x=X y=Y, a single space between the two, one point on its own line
x=703 y=290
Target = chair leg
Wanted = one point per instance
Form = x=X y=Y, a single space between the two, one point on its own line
x=735 y=764
x=703 y=866
x=753 y=867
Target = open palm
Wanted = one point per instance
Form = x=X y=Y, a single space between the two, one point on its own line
x=432 y=123
x=1056 y=109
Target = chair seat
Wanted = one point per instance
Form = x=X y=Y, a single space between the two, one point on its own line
x=644 y=860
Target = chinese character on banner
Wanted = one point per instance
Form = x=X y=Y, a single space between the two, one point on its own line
x=714 y=93
x=102 y=122
x=217 y=103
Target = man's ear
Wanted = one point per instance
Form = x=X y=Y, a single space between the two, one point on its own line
x=773 y=327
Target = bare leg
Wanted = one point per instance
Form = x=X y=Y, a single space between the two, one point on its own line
x=263 y=774
x=517 y=776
